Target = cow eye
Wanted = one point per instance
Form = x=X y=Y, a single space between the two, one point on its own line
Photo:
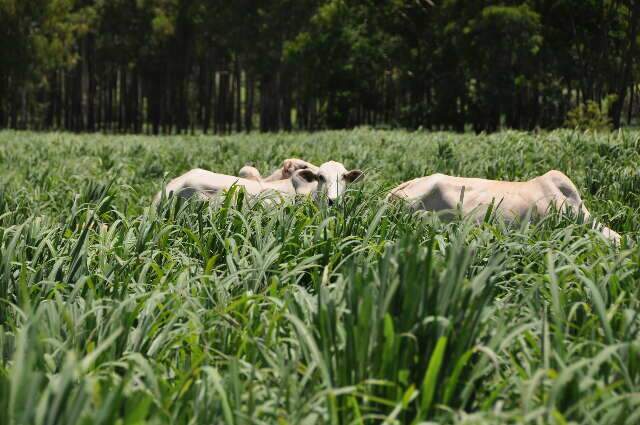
x=321 y=178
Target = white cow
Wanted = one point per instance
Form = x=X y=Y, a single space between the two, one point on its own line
x=513 y=200
x=330 y=178
x=206 y=184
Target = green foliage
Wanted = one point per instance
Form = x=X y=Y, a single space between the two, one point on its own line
x=176 y=65
x=116 y=311
x=591 y=116
x=39 y=36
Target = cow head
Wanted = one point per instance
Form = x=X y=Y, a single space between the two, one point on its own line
x=329 y=180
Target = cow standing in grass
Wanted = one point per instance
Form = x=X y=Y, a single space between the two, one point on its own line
x=328 y=180
x=512 y=200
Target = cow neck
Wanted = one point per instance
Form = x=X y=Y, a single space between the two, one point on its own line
x=279 y=185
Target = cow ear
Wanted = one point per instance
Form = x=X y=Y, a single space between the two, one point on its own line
x=288 y=167
x=293 y=164
x=353 y=175
x=308 y=175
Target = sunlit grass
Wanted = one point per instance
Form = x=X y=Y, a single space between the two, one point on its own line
x=115 y=311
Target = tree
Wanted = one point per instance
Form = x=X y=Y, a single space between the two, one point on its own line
x=503 y=43
x=167 y=66
x=35 y=37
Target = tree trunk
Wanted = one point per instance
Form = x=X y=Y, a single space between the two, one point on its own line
x=100 y=106
x=248 y=112
x=91 y=95
x=109 y=104
x=632 y=91
x=223 y=102
x=627 y=68
x=238 y=104
x=3 y=94
x=269 y=110
x=208 y=100
x=285 y=95
x=51 y=113
x=215 y=107
x=77 y=117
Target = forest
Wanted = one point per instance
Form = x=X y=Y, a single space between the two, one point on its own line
x=217 y=66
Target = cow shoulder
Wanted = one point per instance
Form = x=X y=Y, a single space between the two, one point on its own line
x=415 y=187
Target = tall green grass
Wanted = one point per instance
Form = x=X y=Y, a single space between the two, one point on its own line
x=114 y=311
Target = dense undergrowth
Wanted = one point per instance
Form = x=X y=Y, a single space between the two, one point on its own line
x=113 y=311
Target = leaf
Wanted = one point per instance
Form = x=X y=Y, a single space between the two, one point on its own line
x=430 y=381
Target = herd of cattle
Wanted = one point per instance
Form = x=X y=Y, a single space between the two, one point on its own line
x=437 y=192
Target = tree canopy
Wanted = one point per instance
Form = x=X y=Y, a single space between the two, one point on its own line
x=212 y=65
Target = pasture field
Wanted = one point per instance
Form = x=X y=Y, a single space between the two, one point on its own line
x=113 y=311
